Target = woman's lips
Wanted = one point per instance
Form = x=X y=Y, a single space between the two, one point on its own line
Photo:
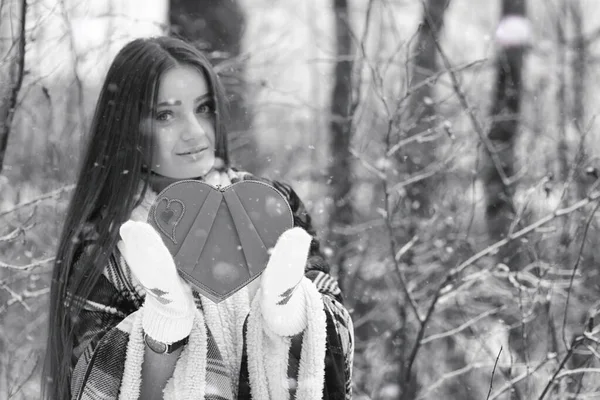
x=193 y=152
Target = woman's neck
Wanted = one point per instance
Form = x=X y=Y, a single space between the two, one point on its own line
x=159 y=182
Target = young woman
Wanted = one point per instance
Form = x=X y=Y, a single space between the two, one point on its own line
x=123 y=324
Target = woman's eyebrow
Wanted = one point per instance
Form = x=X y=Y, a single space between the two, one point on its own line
x=203 y=97
x=178 y=102
x=169 y=103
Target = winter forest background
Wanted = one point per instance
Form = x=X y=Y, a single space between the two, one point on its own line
x=447 y=149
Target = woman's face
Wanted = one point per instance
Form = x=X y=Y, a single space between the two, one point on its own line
x=184 y=125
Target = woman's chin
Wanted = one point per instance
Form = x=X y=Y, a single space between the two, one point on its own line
x=196 y=171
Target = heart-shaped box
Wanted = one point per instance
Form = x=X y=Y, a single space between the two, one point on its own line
x=220 y=237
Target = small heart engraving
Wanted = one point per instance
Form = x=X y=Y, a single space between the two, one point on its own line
x=166 y=215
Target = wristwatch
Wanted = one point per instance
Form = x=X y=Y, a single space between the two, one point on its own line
x=163 y=348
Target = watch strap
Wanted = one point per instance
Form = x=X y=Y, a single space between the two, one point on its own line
x=163 y=348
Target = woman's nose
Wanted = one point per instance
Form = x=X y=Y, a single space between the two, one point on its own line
x=193 y=129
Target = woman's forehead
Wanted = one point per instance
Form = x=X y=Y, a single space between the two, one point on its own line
x=182 y=83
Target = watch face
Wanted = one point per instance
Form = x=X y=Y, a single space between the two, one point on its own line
x=155 y=346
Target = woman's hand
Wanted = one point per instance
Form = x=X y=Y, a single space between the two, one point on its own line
x=282 y=300
x=169 y=305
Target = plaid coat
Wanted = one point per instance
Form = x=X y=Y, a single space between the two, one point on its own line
x=102 y=329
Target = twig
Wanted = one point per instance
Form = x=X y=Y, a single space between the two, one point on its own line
x=368 y=165
x=406 y=247
x=575 y=267
x=574 y=344
x=590 y=336
x=461 y=371
x=14 y=235
x=457 y=270
x=29 y=266
x=462 y=327
x=417 y=137
x=390 y=231
x=404 y=285
x=357 y=228
x=451 y=376
x=17 y=297
x=528 y=229
x=493 y=372
x=489 y=147
x=418 y=177
x=577 y=371
x=25 y=295
x=511 y=384
x=17 y=388
x=593 y=351
x=421 y=332
x=45 y=196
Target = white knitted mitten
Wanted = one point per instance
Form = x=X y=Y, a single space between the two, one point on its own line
x=283 y=301
x=169 y=305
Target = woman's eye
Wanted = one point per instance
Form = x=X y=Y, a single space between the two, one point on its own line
x=164 y=116
x=204 y=109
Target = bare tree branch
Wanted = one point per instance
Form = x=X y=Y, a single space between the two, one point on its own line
x=574 y=344
x=493 y=372
x=468 y=368
x=575 y=268
x=575 y=371
x=45 y=196
x=511 y=384
x=489 y=147
x=462 y=327
x=16 y=71
x=29 y=266
x=25 y=295
x=17 y=297
x=15 y=234
x=524 y=231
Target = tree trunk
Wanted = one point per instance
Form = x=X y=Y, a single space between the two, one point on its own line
x=340 y=169
x=505 y=121
x=579 y=74
x=420 y=157
x=217 y=27
x=512 y=38
x=562 y=112
x=578 y=69
x=12 y=32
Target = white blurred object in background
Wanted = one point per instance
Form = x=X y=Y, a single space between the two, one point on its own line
x=514 y=30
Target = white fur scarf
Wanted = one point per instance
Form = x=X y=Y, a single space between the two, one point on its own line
x=267 y=352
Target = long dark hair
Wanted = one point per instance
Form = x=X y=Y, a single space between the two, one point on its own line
x=113 y=170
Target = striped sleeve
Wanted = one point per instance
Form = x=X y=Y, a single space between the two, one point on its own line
x=109 y=303
x=340 y=327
